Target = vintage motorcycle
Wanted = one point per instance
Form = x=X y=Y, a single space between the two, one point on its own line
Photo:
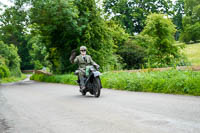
x=92 y=81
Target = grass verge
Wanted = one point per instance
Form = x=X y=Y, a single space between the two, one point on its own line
x=192 y=51
x=171 y=82
x=65 y=79
x=13 y=79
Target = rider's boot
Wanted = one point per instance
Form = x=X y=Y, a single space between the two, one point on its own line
x=82 y=88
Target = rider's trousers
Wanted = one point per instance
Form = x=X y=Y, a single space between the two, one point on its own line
x=81 y=77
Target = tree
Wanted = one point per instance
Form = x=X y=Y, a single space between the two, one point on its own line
x=13 y=25
x=11 y=57
x=161 y=52
x=38 y=50
x=191 y=22
x=66 y=25
x=57 y=22
x=97 y=35
x=133 y=54
x=178 y=9
x=132 y=14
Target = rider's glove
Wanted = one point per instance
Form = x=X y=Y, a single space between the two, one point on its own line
x=97 y=67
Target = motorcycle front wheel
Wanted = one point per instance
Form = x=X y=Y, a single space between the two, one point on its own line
x=97 y=89
x=83 y=92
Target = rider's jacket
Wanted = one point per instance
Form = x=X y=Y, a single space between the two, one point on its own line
x=84 y=61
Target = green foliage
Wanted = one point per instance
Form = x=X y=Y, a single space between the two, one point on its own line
x=132 y=14
x=190 y=6
x=38 y=50
x=178 y=9
x=132 y=54
x=2 y=60
x=191 y=33
x=4 y=71
x=65 y=79
x=161 y=52
x=13 y=79
x=191 y=24
x=143 y=40
x=119 y=34
x=13 y=29
x=12 y=59
x=66 y=25
x=172 y=81
x=58 y=26
x=98 y=36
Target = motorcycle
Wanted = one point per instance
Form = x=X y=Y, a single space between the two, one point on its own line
x=92 y=81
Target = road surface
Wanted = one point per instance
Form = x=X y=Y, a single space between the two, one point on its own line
x=34 y=107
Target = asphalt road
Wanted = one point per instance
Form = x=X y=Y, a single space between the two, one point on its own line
x=34 y=107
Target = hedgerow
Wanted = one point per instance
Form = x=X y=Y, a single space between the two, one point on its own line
x=171 y=82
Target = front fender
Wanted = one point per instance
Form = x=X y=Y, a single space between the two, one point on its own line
x=96 y=74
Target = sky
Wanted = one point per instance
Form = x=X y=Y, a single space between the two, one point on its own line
x=6 y=2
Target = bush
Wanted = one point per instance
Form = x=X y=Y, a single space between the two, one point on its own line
x=2 y=60
x=12 y=59
x=143 y=40
x=4 y=71
x=161 y=51
x=132 y=54
x=191 y=33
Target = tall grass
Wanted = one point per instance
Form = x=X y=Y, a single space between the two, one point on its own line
x=172 y=81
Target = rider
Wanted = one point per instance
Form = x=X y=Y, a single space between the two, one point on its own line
x=83 y=60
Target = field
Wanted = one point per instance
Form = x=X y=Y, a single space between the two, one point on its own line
x=192 y=51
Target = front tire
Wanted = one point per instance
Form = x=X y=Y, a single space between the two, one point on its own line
x=83 y=93
x=97 y=88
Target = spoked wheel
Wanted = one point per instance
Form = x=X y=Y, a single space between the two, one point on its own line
x=83 y=93
x=97 y=87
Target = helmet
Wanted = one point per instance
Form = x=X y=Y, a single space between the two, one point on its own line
x=83 y=48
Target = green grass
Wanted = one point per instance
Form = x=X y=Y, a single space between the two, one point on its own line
x=13 y=79
x=171 y=82
x=192 y=51
x=65 y=79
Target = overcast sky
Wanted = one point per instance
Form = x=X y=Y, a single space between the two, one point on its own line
x=6 y=2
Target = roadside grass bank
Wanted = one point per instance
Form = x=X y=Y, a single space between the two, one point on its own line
x=65 y=79
x=171 y=82
x=192 y=51
x=13 y=79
